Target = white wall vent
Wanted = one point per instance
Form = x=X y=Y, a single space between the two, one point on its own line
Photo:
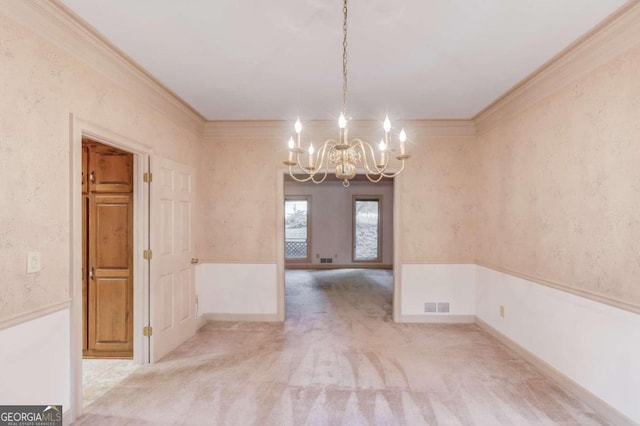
x=443 y=306
x=430 y=307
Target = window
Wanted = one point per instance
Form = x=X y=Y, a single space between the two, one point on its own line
x=367 y=217
x=297 y=229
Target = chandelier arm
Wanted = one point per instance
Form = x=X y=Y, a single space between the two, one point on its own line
x=394 y=174
x=368 y=170
x=321 y=162
x=301 y=167
x=293 y=176
x=313 y=179
x=374 y=180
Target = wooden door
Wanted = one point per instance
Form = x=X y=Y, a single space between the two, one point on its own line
x=108 y=250
x=172 y=287
x=110 y=170
x=110 y=288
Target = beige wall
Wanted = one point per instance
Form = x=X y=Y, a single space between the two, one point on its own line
x=40 y=85
x=559 y=186
x=438 y=196
x=236 y=200
x=237 y=205
x=551 y=192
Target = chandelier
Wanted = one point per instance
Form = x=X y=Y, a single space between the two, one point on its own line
x=344 y=155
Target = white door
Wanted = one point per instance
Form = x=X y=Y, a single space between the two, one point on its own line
x=172 y=286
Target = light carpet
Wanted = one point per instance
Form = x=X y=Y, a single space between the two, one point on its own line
x=339 y=359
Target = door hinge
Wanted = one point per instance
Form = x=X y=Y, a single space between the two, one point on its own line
x=147 y=254
x=147 y=177
x=147 y=331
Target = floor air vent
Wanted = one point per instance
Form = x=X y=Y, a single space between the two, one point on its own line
x=439 y=307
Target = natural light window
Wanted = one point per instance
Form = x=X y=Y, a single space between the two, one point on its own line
x=296 y=229
x=366 y=229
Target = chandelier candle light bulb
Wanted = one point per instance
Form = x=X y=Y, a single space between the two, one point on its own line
x=383 y=158
x=342 y=121
x=311 y=150
x=343 y=156
x=291 y=146
x=403 y=139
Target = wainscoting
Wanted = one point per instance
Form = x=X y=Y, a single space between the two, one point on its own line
x=34 y=361
x=237 y=291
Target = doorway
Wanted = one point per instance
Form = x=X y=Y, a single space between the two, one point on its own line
x=82 y=130
x=107 y=251
x=354 y=235
x=107 y=268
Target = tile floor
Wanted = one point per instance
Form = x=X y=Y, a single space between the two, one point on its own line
x=99 y=376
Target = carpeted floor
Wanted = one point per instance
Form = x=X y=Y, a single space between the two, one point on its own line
x=339 y=360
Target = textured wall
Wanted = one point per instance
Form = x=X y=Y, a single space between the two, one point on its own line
x=40 y=85
x=559 y=186
x=237 y=205
x=438 y=197
x=236 y=200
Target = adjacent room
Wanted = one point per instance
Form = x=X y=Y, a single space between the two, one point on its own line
x=320 y=212
x=330 y=261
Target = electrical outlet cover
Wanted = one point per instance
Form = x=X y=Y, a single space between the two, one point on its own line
x=34 y=262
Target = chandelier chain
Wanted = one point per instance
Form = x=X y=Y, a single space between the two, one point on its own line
x=344 y=156
x=344 y=60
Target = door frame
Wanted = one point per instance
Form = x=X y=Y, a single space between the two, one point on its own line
x=80 y=128
x=398 y=182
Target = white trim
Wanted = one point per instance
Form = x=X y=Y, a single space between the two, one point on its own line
x=396 y=302
x=600 y=406
x=439 y=262
x=438 y=319
x=60 y=26
x=587 y=294
x=280 y=263
x=281 y=129
x=203 y=261
x=79 y=129
x=211 y=317
x=38 y=313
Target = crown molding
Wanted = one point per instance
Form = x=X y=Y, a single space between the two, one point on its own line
x=282 y=129
x=618 y=33
x=57 y=24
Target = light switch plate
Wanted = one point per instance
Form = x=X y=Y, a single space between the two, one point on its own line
x=34 y=262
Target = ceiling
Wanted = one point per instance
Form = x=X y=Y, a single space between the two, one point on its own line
x=415 y=59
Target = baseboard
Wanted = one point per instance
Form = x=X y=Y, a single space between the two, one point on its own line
x=604 y=409
x=438 y=319
x=337 y=266
x=240 y=317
